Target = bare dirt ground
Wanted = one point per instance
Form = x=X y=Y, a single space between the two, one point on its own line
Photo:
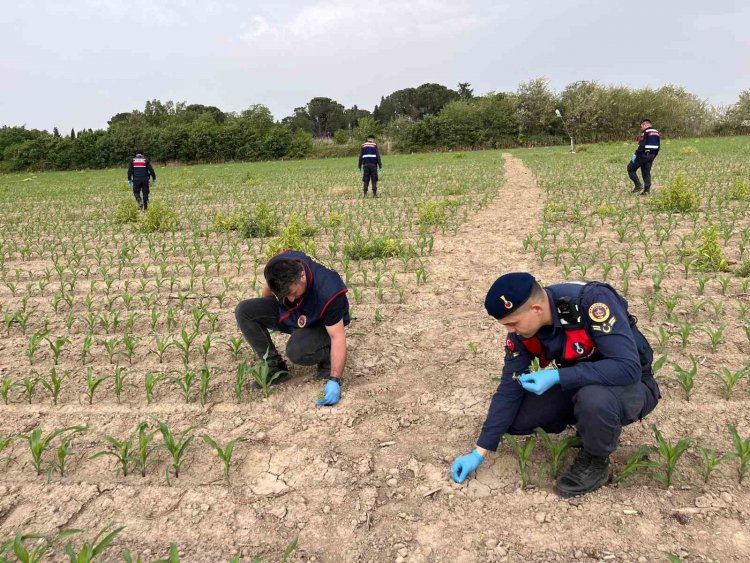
x=368 y=480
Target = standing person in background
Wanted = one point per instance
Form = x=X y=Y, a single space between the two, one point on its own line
x=649 y=142
x=369 y=157
x=139 y=171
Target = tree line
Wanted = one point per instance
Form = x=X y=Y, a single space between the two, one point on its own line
x=428 y=117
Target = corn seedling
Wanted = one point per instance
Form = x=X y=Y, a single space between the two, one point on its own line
x=261 y=373
x=173 y=556
x=130 y=343
x=638 y=461
x=176 y=446
x=90 y=551
x=711 y=461
x=206 y=348
x=6 y=384
x=185 y=383
x=56 y=346
x=63 y=451
x=128 y=557
x=53 y=384
x=184 y=345
x=5 y=441
x=741 y=452
x=122 y=451
x=658 y=364
x=38 y=443
x=145 y=448
x=523 y=453
x=686 y=377
x=33 y=346
x=38 y=552
x=556 y=449
x=225 y=454
x=205 y=379
x=28 y=387
x=149 y=383
x=110 y=346
x=240 y=380
x=88 y=341
x=670 y=455
x=715 y=335
x=92 y=384
x=235 y=346
x=729 y=380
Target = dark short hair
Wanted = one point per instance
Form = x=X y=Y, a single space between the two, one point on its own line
x=645 y=120
x=370 y=136
x=281 y=275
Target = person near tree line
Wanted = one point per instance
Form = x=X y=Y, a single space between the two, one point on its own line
x=369 y=160
x=139 y=172
x=598 y=378
x=649 y=142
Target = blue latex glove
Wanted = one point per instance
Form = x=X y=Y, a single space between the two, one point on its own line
x=464 y=465
x=130 y=183
x=540 y=381
x=632 y=159
x=332 y=393
x=153 y=182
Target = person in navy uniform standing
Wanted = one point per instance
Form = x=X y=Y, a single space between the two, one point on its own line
x=139 y=172
x=308 y=301
x=649 y=142
x=369 y=159
x=599 y=375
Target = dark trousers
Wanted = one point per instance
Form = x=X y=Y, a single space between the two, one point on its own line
x=306 y=346
x=370 y=172
x=644 y=162
x=597 y=411
x=140 y=186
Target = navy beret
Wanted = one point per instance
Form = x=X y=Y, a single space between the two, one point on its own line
x=508 y=293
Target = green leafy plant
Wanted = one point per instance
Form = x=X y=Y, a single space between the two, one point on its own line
x=145 y=447
x=159 y=219
x=524 y=453
x=261 y=374
x=122 y=450
x=6 y=384
x=224 y=454
x=677 y=197
x=60 y=462
x=556 y=449
x=205 y=380
x=28 y=387
x=686 y=377
x=670 y=455
x=176 y=445
x=741 y=452
x=149 y=382
x=119 y=377
x=126 y=211
x=711 y=461
x=241 y=378
x=56 y=346
x=90 y=551
x=53 y=384
x=92 y=383
x=638 y=461
x=729 y=380
x=185 y=383
x=235 y=346
x=38 y=444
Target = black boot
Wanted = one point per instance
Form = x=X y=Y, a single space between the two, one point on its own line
x=637 y=189
x=588 y=473
x=646 y=191
x=275 y=366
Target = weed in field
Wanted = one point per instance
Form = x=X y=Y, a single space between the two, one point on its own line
x=126 y=211
x=523 y=453
x=677 y=197
x=159 y=219
x=262 y=223
x=739 y=190
x=709 y=256
x=372 y=248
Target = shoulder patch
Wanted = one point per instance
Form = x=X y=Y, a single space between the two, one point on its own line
x=598 y=312
x=509 y=344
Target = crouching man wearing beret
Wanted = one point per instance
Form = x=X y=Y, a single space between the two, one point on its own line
x=596 y=373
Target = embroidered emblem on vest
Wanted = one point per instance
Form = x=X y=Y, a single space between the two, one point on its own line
x=599 y=312
x=302 y=321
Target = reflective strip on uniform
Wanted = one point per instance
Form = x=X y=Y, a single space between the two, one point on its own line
x=651 y=146
x=369 y=156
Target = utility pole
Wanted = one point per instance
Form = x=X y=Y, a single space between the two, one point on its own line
x=572 y=141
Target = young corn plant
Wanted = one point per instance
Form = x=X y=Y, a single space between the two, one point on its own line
x=185 y=383
x=149 y=383
x=638 y=461
x=60 y=462
x=34 y=342
x=556 y=449
x=240 y=380
x=56 y=346
x=224 y=454
x=90 y=551
x=119 y=378
x=176 y=446
x=670 y=455
x=235 y=346
x=261 y=373
x=6 y=384
x=145 y=447
x=130 y=343
x=715 y=335
x=88 y=341
x=524 y=453
x=28 y=387
x=711 y=461
x=184 y=345
x=741 y=452
x=5 y=442
x=122 y=450
x=53 y=384
x=686 y=377
x=38 y=553
x=205 y=380
x=92 y=384
x=161 y=346
x=38 y=444
x=729 y=380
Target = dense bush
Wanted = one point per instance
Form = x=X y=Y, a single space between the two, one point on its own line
x=678 y=197
x=159 y=219
x=126 y=211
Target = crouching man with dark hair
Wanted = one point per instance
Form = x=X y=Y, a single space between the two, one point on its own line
x=307 y=301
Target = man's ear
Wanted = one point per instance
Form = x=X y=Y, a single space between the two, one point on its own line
x=303 y=276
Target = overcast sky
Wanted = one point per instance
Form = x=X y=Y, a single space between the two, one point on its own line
x=75 y=63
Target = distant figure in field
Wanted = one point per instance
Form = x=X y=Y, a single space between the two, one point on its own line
x=139 y=171
x=369 y=158
x=645 y=154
